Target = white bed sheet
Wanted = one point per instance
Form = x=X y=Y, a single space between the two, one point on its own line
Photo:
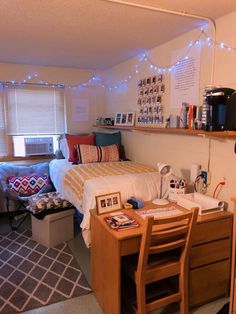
x=144 y=186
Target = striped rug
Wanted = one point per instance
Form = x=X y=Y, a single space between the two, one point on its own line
x=32 y=275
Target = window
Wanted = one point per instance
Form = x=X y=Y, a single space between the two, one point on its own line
x=32 y=109
x=3 y=134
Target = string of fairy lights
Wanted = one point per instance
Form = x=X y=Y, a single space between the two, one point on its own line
x=202 y=39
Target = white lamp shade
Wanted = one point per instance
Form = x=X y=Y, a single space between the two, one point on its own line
x=164 y=169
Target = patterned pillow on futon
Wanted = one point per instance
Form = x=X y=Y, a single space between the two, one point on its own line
x=28 y=185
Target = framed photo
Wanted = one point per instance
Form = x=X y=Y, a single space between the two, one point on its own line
x=126 y=118
x=130 y=118
x=108 y=203
x=118 y=118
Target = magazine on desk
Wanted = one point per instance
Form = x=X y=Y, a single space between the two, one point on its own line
x=121 y=221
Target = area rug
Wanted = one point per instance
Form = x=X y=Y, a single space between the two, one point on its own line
x=32 y=275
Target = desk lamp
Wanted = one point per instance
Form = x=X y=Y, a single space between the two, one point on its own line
x=164 y=171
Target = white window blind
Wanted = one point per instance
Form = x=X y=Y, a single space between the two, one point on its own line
x=3 y=134
x=34 y=109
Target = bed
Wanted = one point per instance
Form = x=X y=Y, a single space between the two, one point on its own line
x=79 y=184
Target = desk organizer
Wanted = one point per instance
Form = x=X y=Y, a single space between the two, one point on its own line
x=174 y=193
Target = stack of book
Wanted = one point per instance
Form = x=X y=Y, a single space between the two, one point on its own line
x=121 y=222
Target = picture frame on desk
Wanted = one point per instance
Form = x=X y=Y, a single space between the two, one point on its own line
x=108 y=203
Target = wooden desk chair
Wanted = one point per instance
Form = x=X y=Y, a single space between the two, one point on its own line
x=163 y=255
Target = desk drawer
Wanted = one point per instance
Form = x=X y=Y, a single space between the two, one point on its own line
x=211 y=231
x=209 y=253
x=234 y=296
x=209 y=282
x=130 y=246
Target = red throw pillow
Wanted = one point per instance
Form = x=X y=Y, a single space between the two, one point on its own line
x=28 y=185
x=73 y=140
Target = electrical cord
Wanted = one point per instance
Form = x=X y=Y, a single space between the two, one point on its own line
x=219 y=185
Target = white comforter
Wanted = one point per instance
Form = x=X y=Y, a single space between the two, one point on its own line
x=144 y=186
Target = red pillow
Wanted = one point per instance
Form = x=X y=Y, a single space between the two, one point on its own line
x=73 y=140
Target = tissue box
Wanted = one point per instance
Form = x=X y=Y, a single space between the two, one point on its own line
x=206 y=204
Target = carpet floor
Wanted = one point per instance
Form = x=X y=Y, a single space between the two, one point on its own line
x=32 y=275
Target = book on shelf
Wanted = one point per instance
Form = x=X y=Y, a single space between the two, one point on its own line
x=121 y=221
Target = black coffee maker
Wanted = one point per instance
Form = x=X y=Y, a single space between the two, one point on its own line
x=230 y=122
x=217 y=100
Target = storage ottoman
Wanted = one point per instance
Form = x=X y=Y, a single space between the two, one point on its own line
x=53 y=229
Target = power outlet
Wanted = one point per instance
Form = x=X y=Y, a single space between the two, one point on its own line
x=206 y=177
x=223 y=179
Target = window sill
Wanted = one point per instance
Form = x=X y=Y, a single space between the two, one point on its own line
x=26 y=160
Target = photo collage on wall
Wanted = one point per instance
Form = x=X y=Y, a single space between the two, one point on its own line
x=150 y=100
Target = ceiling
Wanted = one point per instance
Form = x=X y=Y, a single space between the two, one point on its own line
x=93 y=34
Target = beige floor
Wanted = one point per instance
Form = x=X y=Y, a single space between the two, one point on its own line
x=87 y=304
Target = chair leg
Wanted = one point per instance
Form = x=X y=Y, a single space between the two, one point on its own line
x=11 y=216
x=141 y=299
x=183 y=288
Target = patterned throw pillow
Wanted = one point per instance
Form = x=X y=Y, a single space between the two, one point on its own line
x=90 y=153
x=28 y=185
x=46 y=202
x=73 y=140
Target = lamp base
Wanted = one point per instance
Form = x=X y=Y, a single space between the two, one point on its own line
x=160 y=201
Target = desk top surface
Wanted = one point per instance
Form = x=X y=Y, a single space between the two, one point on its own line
x=135 y=232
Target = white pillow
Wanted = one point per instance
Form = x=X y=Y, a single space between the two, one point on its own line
x=64 y=148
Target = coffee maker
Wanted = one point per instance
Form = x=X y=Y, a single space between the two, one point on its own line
x=230 y=121
x=217 y=100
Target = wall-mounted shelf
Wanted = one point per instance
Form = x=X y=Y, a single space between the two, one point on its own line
x=218 y=134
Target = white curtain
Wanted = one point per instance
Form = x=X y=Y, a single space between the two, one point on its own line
x=3 y=133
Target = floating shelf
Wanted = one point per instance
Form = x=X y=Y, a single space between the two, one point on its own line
x=218 y=134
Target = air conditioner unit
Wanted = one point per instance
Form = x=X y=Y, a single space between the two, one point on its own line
x=38 y=146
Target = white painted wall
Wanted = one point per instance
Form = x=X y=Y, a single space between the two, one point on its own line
x=179 y=150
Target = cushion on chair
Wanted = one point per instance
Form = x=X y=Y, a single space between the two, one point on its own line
x=47 y=203
x=28 y=185
x=8 y=170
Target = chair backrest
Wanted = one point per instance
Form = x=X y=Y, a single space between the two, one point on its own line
x=163 y=235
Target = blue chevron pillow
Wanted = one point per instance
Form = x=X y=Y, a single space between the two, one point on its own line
x=28 y=185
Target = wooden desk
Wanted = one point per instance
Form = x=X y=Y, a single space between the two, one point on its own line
x=209 y=268
x=232 y=309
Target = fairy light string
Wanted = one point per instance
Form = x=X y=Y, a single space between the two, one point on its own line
x=95 y=80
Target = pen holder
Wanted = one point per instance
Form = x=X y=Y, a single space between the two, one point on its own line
x=174 y=192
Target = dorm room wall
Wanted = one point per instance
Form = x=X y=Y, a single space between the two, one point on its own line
x=215 y=155
x=91 y=96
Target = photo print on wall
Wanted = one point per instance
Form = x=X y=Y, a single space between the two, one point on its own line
x=150 y=100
